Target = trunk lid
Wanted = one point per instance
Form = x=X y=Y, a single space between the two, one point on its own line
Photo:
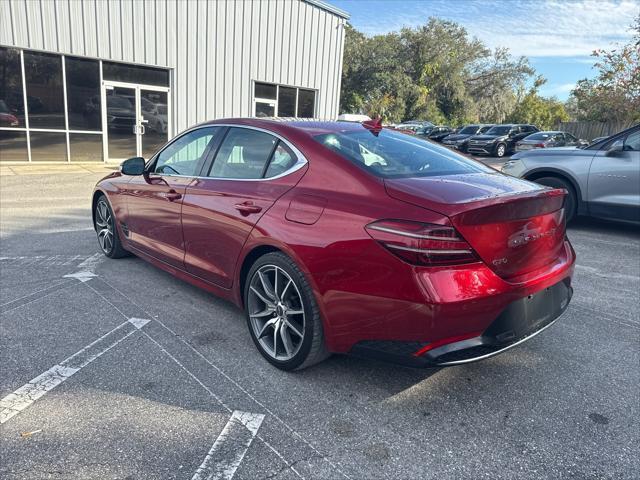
x=515 y=226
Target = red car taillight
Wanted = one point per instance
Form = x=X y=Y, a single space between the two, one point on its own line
x=422 y=243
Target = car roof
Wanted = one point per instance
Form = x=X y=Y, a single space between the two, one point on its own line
x=281 y=125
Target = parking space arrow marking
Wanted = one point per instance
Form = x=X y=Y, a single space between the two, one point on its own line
x=84 y=276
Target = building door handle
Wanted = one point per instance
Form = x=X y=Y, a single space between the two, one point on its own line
x=245 y=208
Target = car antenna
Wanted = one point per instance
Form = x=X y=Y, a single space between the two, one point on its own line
x=374 y=126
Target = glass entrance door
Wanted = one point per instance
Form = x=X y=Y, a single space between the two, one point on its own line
x=154 y=117
x=137 y=120
x=122 y=138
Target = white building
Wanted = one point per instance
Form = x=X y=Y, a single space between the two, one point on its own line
x=104 y=80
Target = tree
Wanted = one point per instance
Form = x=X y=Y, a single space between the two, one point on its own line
x=614 y=94
x=545 y=113
x=436 y=72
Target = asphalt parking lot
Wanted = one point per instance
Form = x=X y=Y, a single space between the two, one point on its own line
x=114 y=369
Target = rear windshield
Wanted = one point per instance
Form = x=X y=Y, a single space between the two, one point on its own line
x=393 y=154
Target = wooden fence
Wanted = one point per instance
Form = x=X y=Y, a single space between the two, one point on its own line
x=591 y=130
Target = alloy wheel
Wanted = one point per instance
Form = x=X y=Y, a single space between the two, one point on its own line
x=276 y=312
x=104 y=226
x=501 y=150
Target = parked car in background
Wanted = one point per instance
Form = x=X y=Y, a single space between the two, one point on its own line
x=416 y=126
x=549 y=139
x=460 y=139
x=7 y=118
x=500 y=140
x=603 y=179
x=436 y=247
x=438 y=133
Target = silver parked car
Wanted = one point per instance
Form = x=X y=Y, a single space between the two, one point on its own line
x=549 y=139
x=603 y=179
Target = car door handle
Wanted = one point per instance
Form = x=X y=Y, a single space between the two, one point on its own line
x=172 y=195
x=248 y=207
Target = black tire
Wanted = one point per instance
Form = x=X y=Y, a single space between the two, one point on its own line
x=312 y=348
x=113 y=248
x=571 y=202
x=500 y=150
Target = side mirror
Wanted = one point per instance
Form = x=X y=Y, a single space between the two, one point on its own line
x=615 y=147
x=133 y=166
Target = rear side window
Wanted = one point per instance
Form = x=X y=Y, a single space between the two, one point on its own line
x=244 y=154
x=393 y=154
x=281 y=161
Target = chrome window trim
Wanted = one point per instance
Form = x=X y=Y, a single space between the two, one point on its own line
x=301 y=159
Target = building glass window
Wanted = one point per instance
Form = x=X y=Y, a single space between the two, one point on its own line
x=13 y=146
x=11 y=96
x=121 y=72
x=45 y=97
x=83 y=93
x=306 y=103
x=287 y=102
x=266 y=90
x=48 y=147
x=85 y=147
x=279 y=101
x=42 y=128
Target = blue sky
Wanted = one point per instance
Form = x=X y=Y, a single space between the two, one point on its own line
x=558 y=36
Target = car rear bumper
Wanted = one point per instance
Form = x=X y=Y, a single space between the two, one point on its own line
x=521 y=320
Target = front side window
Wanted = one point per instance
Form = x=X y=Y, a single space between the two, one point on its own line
x=185 y=155
x=632 y=142
x=469 y=130
x=244 y=154
x=499 y=130
x=395 y=155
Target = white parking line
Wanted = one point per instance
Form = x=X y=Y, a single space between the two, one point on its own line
x=24 y=396
x=229 y=449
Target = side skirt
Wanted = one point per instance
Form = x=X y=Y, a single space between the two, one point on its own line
x=224 y=293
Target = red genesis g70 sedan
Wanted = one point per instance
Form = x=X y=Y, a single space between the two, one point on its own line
x=346 y=237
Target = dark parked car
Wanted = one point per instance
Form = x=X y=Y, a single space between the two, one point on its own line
x=460 y=139
x=548 y=140
x=416 y=253
x=602 y=180
x=500 y=140
x=437 y=133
